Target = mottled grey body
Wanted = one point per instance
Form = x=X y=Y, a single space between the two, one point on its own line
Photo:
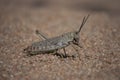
x=52 y=45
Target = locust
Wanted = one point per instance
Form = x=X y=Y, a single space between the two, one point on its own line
x=54 y=44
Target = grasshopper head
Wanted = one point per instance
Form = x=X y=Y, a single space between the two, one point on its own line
x=76 y=39
x=76 y=34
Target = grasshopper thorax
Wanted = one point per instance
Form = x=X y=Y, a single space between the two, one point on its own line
x=71 y=37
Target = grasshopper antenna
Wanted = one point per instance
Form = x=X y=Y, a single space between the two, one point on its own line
x=83 y=22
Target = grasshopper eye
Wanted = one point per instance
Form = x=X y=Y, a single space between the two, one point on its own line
x=76 y=39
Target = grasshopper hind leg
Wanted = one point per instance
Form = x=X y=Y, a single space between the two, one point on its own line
x=41 y=35
x=57 y=53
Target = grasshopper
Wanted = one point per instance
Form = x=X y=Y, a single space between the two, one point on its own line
x=52 y=45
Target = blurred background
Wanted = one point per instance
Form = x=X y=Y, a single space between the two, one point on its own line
x=100 y=38
x=108 y=6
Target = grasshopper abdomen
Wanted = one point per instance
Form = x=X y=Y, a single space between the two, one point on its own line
x=49 y=45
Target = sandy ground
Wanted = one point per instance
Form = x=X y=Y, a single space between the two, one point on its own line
x=100 y=38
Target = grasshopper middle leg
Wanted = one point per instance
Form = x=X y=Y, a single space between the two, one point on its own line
x=65 y=52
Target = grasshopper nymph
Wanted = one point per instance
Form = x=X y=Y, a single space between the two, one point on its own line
x=52 y=45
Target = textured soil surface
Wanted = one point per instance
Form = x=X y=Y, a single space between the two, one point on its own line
x=100 y=39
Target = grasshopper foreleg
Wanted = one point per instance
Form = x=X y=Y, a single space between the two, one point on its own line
x=79 y=45
x=76 y=50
